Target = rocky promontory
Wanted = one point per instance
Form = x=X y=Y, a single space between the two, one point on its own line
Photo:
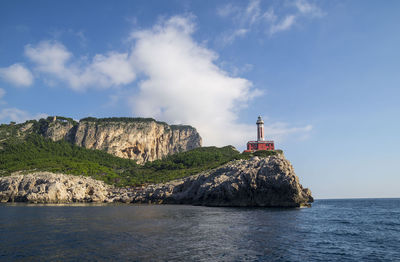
x=265 y=182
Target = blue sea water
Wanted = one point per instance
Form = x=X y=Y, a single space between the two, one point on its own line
x=331 y=230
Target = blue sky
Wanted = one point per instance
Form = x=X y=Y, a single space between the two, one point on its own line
x=323 y=74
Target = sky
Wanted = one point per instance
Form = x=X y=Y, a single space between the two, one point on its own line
x=324 y=75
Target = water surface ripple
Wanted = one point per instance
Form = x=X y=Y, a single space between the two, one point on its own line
x=332 y=230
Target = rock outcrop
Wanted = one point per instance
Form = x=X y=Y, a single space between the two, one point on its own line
x=45 y=187
x=263 y=182
x=140 y=139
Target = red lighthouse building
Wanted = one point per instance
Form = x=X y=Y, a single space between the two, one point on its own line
x=261 y=143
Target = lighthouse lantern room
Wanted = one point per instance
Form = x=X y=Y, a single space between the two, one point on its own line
x=261 y=143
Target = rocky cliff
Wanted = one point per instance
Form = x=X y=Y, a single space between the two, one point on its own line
x=263 y=182
x=45 y=187
x=141 y=139
x=266 y=182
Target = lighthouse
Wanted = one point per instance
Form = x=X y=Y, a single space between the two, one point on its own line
x=260 y=129
x=261 y=143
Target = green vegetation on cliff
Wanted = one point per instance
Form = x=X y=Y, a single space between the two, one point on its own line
x=118 y=119
x=14 y=130
x=130 y=120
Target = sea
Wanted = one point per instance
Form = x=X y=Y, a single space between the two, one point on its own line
x=331 y=230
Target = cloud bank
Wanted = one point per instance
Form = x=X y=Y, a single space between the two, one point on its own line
x=183 y=84
x=53 y=59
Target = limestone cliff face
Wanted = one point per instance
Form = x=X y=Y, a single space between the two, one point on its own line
x=58 y=130
x=141 y=140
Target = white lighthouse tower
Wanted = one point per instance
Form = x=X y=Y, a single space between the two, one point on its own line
x=260 y=129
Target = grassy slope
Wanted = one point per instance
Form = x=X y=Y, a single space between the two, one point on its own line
x=33 y=152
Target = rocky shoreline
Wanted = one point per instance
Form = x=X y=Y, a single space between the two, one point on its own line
x=262 y=182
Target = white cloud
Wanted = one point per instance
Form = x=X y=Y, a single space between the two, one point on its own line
x=18 y=115
x=283 y=25
x=49 y=57
x=253 y=11
x=309 y=9
x=254 y=17
x=52 y=58
x=269 y=16
x=228 y=38
x=17 y=74
x=115 y=66
x=183 y=85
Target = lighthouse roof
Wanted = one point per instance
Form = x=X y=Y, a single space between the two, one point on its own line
x=259 y=120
